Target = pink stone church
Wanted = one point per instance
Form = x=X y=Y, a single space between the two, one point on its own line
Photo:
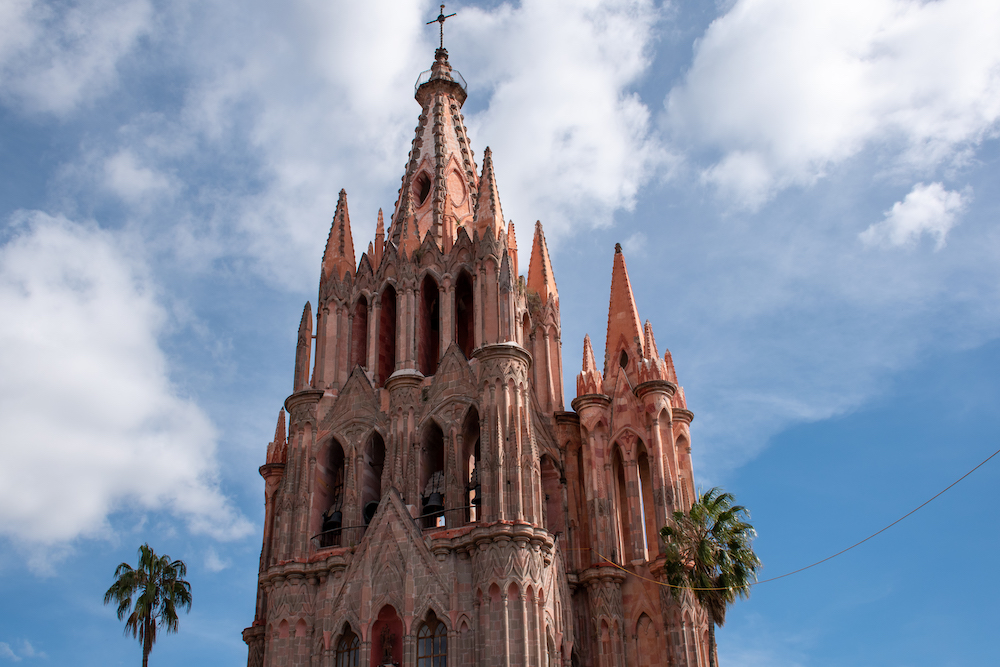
x=431 y=501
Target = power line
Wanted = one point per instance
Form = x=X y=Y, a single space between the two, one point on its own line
x=819 y=562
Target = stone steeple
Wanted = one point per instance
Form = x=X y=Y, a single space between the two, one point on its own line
x=624 y=330
x=338 y=258
x=541 y=279
x=440 y=184
x=428 y=497
x=488 y=216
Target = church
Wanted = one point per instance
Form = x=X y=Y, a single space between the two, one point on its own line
x=430 y=501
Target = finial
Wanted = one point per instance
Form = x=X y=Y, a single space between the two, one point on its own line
x=618 y=248
x=441 y=19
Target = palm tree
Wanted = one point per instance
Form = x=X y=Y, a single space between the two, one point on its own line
x=709 y=552
x=161 y=590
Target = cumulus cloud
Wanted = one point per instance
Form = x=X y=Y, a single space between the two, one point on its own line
x=571 y=144
x=281 y=111
x=131 y=181
x=91 y=421
x=7 y=652
x=780 y=91
x=213 y=563
x=927 y=209
x=55 y=57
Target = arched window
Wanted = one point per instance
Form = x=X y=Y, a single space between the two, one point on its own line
x=359 y=334
x=464 y=320
x=432 y=491
x=421 y=187
x=371 y=476
x=333 y=516
x=348 y=649
x=471 y=458
x=622 y=510
x=554 y=520
x=649 y=533
x=432 y=643
x=387 y=335
x=429 y=341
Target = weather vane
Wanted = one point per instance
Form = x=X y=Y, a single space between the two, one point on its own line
x=441 y=19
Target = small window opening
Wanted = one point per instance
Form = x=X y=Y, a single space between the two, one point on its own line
x=422 y=187
x=623 y=359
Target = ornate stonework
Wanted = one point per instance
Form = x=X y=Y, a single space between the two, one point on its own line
x=431 y=493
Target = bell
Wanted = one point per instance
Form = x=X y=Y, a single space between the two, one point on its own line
x=434 y=504
x=334 y=521
x=477 y=499
x=370 y=508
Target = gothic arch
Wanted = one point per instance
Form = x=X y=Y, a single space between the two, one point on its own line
x=429 y=324
x=430 y=474
x=622 y=507
x=385 y=360
x=420 y=616
x=359 y=332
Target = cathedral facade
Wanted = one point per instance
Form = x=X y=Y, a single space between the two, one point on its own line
x=431 y=501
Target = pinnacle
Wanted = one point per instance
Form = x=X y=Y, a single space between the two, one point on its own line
x=338 y=258
x=623 y=317
x=379 y=241
x=540 y=277
x=649 y=343
x=488 y=212
x=668 y=361
x=279 y=431
x=589 y=362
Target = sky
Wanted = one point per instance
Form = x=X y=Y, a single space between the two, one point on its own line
x=806 y=195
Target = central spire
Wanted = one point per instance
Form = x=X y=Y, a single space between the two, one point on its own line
x=440 y=185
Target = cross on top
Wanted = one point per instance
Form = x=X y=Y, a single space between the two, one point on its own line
x=441 y=19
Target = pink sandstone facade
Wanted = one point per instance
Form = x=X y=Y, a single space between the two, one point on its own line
x=433 y=503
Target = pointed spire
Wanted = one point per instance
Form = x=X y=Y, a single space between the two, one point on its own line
x=276 y=450
x=540 y=276
x=303 y=349
x=589 y=362
x=649 y=342
x=279 y=431
x=623 y=317
x=379 y=242
x=589 y=381
x=488 y=214
x=338 y=258
x=512 y=246
x=405 y=231
x=668 y=361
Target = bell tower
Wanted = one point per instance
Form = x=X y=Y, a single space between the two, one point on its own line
x=428 y=499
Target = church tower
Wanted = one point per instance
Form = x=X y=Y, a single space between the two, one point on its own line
x=429 y=501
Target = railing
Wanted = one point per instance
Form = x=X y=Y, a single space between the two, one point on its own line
x=425 y=76
x=333 y=538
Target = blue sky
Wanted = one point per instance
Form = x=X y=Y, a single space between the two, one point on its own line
x=807 y=198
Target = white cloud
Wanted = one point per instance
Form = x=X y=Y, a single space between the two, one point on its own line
x=91 y=421
x=307 y=98
x=132 y=181
x=571 y=144
x=53 y=58
x=927 y=209
x=7 y=652
x=780 y=90
x=213 y=563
